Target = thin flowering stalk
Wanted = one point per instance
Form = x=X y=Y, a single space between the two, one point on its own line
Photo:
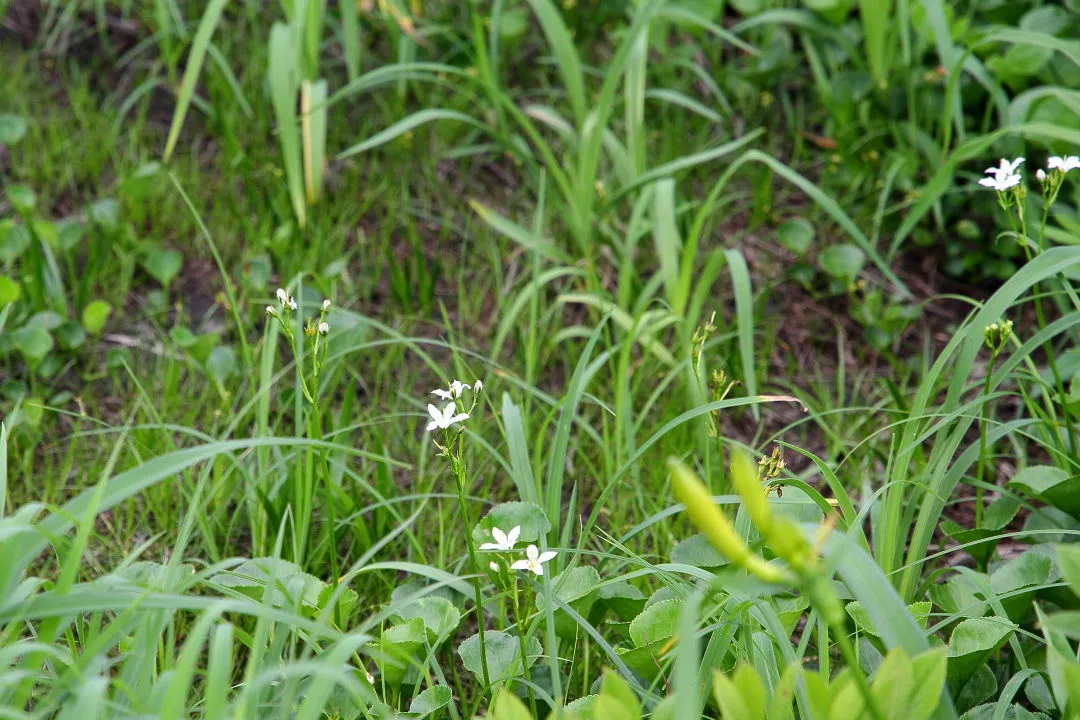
x=447 y=422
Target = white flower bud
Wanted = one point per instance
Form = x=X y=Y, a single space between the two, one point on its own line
x=324 y=328
x=326 y=305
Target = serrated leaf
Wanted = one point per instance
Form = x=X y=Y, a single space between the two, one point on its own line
x=697 y=551
x=972 y=643
x=432 y=700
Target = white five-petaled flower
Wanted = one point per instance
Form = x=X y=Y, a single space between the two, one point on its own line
x=1064 y=164
x=324 y=328
x=504 y=542
x=1004 y=176
x=445 y=418
x=534 y=560
x=453 y=392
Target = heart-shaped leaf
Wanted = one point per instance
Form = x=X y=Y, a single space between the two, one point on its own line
x=162 y=265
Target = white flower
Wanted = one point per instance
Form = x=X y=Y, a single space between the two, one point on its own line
x=478 y=387
x=454 y=392
x=270 y=310
x=534 y=560
x=324 y=328
x=370 y=677
x=1040 y=175
x=494 y=566
x=286 y=299
x=1064 y=164
x=504 y=542
x=326 y=304
x=1004 y=176
x=445 y=418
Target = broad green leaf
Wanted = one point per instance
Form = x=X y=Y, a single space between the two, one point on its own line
x=796 y=235
x=919 y=610
x=529 y=517
x=656 y=623
x=70 y=335
x=12 y=129
x=396 y=649
x=439 y=615
x=105 y=214
x=33 y=342
x=10 y=290
x=1052 y=485
x=21 y=198
x=432 y=700
x=1031 y=569
x=894 y=680
x=95 y=315
x=508 y=707
x=697 y=551
x=998 y=516
x=980 y=687
x=929 y=669
x=14 y=239
x=583 y=708
x=575 y=587
x=616 y=698
x=503 y=655
x=274 y=581
x=162 y=265
x=221 y=363
x=622 y=598
x=1068 y=560
x=972 y=643
x=991 y=711
x=842 y=262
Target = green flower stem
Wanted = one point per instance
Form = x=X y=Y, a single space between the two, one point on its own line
x=520 y=618
x=457 y=466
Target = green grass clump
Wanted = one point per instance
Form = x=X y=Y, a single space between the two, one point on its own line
x=530 y=359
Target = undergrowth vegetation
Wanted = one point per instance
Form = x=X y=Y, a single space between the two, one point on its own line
x=521 y=359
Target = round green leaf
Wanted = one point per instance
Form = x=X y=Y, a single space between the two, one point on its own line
x=842 y=262
x=440 y=616
x=70 y=335
x=503 y=655
x=105 y=214
x=221 y=364
x=33 y=342
x=796 y=235
x=95 y=315
x=10 y=290
x=12 y=129
x=22 y=199
x=656 y=623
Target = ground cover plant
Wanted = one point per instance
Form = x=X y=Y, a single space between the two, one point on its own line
x=522 y=359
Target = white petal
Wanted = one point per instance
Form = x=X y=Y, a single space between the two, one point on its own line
x=494 y=566
x=433 y=425
x=519 y=565
x=490 y=546
x=434 y=412
x=989 y=182
x=499 y=535
x=538 y=568
x=441 y=393
x=460 y=417
x=532 y=553
x=513 y=535
x=546 y=556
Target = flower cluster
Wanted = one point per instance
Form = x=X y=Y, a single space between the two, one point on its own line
x=316 y=330
x=1004 y=176
x=505 y=541
x=454 y=411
